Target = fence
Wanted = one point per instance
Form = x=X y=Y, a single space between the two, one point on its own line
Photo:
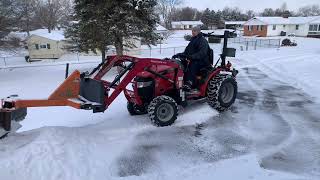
x=78 y=58
x=256 y=43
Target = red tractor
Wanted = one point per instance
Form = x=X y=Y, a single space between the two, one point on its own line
x=156 y=88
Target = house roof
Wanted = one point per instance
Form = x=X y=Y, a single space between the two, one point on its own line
x=234 y=22
x=56 y=35
x=160 y=28
x=281 y=20
x=187 y=23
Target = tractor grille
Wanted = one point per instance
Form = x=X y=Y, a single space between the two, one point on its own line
x=146 y=89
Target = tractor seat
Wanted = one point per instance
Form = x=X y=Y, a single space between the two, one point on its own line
x=204 y=72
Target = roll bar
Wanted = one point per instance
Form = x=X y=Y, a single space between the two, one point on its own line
x=226 y=52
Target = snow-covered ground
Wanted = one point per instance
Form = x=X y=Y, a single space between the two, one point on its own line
x=271 y=133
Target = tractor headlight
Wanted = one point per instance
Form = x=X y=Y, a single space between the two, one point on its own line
x=144 y=84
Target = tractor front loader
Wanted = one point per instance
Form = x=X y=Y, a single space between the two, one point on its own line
x=87 y=90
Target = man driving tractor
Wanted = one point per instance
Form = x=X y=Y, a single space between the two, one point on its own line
x=196 y=53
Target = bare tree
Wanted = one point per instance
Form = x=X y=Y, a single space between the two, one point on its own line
x=284 y=7
x=165 y=8
x=184 y=14
x=52 y=12
x=250 y=14
x=26 y=13
x=311 y=10
x=268 y=12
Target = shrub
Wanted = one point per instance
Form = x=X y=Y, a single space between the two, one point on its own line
x=214 y=40
x=187 y=37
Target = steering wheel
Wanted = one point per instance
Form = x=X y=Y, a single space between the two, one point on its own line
x=182 y=61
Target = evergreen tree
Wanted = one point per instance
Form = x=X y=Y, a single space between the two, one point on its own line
x=89 y=31
x=8 y=16
x=218 y=19
x=207 y=17
x=111 y=22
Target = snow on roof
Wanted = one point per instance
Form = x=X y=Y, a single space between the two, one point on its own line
x=161 y=28
x=187 y=23
x=21 y=35
x=315 y=21
x=235 y=22
x=56 y=35
x=282 y=20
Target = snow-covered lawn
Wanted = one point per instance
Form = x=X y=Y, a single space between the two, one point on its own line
x=249 y=142
x=297 y=66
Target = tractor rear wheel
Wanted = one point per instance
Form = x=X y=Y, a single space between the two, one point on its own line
x=134 y=109
x=163 y=111
x=222 y=92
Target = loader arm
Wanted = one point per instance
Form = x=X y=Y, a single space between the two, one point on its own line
x=86 y=91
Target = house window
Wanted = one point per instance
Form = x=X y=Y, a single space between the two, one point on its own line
x=190 y=26
x=258 y=28
x=261 y=28
x=37 y=46
x=319 y=28
x=314 y=27
x=43 y=46
x=48 y=46
x=274 y=27
x=250 y=28
x=297 y=27
x=284 y=26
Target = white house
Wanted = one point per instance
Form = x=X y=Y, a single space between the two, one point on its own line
x=185 y=24
x=273 y=26
x=162 y=31
x=44 y=45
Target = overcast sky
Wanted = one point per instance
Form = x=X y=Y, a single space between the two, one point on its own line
x=256 y=5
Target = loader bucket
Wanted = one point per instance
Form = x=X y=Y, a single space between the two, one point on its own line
x=9 y=115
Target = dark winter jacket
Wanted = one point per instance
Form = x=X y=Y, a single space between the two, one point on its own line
x=198 y=50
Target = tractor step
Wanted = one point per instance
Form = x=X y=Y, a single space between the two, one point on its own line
x=193 y=94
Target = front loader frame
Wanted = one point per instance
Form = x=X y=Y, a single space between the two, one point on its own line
x=75 y=90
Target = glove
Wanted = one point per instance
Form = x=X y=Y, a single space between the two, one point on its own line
x=175 y=56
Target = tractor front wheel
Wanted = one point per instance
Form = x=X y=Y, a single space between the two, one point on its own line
x=134 y=109
x=163 y=111
x=222 y=92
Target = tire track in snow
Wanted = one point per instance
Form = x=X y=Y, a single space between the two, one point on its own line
x=217 y=139
x=256 y=123
x=299 y=152
x=265 y=126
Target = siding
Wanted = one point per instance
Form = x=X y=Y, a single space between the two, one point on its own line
x=302 y=31
x=55 y=51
